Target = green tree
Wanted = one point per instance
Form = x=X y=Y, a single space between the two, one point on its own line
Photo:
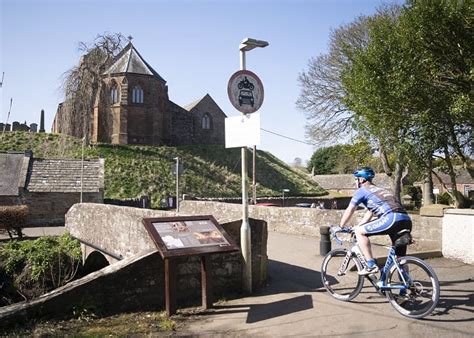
x=375 y=92
x=324 y=160
x=439 y=37
x=410 y=86
x=341 y=159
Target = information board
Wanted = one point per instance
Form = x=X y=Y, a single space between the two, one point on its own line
x=189 y=235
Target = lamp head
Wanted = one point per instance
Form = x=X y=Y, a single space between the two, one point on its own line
x=249 y=44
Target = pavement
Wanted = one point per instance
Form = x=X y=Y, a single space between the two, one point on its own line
x=34 y=232
x=295 y=304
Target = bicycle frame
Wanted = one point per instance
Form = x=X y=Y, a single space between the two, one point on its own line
x=378 y=283
x=392 y=260
x=356 y=251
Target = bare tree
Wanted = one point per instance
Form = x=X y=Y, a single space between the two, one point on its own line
x=82 y=83
x=322 y=93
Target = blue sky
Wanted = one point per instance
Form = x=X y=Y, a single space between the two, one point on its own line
x=193 y=45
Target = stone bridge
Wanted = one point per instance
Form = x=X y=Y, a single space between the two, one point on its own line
x=109 y=234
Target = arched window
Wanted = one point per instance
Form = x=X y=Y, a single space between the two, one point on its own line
x=206 y=121
x=114 y=94
x=137 y=94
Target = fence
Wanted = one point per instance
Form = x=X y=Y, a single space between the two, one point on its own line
x=143 y=202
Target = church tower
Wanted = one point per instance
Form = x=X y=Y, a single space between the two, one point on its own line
x=131 y=107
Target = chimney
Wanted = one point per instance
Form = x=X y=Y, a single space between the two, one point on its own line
x=41 y=130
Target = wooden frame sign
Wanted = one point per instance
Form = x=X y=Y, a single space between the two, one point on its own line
x=189 y=235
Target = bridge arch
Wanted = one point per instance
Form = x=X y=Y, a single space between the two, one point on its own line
x=94 y=262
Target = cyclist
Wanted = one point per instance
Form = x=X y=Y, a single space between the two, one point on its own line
x=392 y=218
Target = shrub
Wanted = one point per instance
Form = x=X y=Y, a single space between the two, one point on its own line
x=445 y=199
x=13 y=218
x=33 y=267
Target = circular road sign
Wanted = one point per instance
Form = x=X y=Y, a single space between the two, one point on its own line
x=245 y=91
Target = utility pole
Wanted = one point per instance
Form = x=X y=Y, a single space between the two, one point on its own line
x=8 y=116
x=177 y=183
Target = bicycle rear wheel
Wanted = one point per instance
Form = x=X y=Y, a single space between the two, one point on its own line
x=345 y=286
x=422 y=295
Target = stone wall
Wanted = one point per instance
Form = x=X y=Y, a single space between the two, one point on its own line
x=306 y=221
x=298 y=221
x=49 y=208
x=136 y=282
x=10 y=200
x=46 y=209
x=182 y=125
x=216 y=133
x=458 y=235
x=125 y=286
x=427 y=232
x=120 y=231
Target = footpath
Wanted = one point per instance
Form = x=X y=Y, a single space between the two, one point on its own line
x=296 y=304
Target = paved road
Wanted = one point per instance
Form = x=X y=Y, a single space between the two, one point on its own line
x=35 y=232
x=294 y=304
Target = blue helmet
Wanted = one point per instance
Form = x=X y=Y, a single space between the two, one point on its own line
x=366 y=173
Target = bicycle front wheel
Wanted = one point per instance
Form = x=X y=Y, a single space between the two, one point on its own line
x=342 y=285
x=422 y=294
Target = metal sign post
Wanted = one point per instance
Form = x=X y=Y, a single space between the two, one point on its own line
x=245 y=92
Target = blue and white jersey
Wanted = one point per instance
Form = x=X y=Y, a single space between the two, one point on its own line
x=378 y=200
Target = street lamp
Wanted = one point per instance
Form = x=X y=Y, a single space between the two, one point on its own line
x=245 y=244
x=283 y=197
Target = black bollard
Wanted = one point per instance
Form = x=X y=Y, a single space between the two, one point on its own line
x=325 y=242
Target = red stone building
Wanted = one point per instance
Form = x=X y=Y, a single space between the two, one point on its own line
x=133 y=107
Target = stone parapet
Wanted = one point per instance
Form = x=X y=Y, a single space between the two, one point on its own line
x=307 y=221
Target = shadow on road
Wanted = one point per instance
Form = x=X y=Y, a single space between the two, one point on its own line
x=285 y=278
x=451 y=298
x=260 y=312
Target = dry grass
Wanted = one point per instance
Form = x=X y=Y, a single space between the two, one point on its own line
x=140 y=323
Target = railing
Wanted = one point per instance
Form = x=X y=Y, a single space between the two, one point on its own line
x=143 y=202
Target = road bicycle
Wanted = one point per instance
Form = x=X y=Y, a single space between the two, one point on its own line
x=410 y=285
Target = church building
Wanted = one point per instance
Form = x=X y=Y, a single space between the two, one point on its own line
x=133 y=107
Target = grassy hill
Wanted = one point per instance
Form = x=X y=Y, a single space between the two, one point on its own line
x=132 y=171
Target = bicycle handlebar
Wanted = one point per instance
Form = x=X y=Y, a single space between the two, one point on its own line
x=337 y=229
